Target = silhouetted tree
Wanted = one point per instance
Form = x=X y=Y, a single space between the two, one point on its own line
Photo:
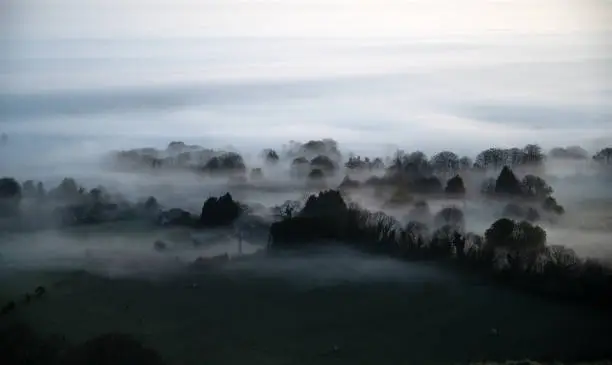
x=536 y=187
x=300 y=167
x=445 y=162
x=377 y=164
x=326 y=204
x=521 y=241
x=515 y=156
x=323 y=163
x=550 y=205
x=67 y=190
x=288 y=209
x=10 y=196
x=426 y=185
x=225 y=162
x=356 y=163
x=507 y=183
x=604 y=156
x=348 y=183
x=270 y=156
x=220 y=211
x=455 y=186
x=533 y=154
x=316 y=174
x=493 y=158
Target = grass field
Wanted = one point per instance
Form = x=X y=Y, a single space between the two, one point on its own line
x=324 y=308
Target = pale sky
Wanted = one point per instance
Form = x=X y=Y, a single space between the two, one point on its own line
x=319 y=18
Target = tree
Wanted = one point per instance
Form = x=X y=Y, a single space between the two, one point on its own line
x=521 y=241
x=533 y=154
x=455 y=186
x=300 y=167
x=355 y=163
x=323 y=162
x=550 y=205
x=220 y=211
x=493 y=158
x=426 y=185
x=316 y=174
x=416 y=164
x=604 y=156
x=445 y=162
x=560 y=260
x=535 y=187
x=507 y=183
x=288 y=209
x=226 y=162
x=10 y=196
x=465 y=163
x=29 y=189
x=515 y=156
x=270 y=156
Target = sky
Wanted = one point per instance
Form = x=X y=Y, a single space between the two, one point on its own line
x=300 y=18
x=487 y=72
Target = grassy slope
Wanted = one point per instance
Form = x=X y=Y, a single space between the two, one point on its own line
x=236 y=318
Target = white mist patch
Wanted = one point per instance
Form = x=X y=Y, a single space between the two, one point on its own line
x=113 y=253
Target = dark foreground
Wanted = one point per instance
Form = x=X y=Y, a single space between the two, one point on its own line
x=319 y=311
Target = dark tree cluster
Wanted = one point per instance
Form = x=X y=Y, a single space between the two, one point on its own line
x=316 y=169
x=311 y=149
x=10 y=197
x=356 y=163
x=496 y=158
x=220 y=211
x=69 y=204
x=178 y=155
x=511 y=251
x=604 y=156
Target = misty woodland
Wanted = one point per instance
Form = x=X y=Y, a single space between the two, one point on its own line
x=513 y=249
